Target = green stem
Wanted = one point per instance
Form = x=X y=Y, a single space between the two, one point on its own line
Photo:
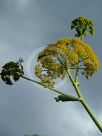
x=31 y=80
x=53 y=89
x=74 y=84
x=57 y=91
x=85 y=105
x=98 y=124
x=76 y=76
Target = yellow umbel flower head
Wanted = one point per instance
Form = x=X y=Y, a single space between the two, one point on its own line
x=66 y=53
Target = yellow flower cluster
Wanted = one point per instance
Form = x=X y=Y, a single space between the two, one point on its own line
x=46 y=80
x=84 y=52
x=67 y=52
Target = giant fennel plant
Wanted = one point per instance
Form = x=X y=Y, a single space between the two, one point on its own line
x=68 y=57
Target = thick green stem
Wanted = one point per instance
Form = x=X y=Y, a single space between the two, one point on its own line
x=85 y=105
x=98 y=124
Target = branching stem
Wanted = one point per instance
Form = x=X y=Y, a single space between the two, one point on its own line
x=83 y=102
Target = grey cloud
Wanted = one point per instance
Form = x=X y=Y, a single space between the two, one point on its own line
x=26 y=25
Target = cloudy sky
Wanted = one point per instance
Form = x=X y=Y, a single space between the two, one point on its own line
x=26 y=26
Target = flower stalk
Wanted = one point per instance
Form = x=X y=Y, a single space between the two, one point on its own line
x=79 y=98
x=53 y=89
x=85 y=105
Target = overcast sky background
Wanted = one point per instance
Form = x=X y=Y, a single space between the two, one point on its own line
x=25 y=108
